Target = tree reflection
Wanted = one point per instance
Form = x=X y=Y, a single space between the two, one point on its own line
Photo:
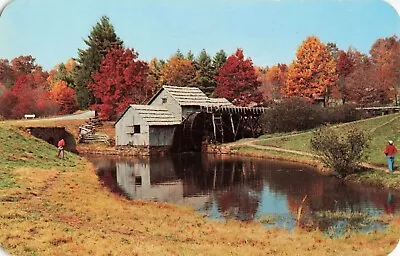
x=237 y=186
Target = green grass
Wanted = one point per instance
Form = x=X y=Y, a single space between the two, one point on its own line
x=379 y=132
x=20 y=150
x=376 y=178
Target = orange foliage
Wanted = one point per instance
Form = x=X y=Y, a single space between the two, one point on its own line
x=70 y=64
x=177 y=72
x=313 y=71
x=64 y=96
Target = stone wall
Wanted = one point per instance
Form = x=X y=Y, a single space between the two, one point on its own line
x=52 y=135
x=129 y=151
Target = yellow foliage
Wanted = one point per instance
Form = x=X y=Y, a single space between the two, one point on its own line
x=313 y=72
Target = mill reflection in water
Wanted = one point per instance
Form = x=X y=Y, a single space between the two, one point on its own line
x=243 y=188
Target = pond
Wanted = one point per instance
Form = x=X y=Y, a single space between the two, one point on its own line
x=248 y=189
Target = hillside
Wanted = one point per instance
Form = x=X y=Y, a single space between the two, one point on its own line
x=58 y=207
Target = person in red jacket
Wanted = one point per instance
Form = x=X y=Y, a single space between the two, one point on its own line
x=60 y=148
x=390 y=151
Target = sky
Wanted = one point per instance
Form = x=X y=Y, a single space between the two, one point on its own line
x=268 y=31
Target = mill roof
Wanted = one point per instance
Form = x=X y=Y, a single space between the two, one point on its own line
x=185 y=96
x=154 y=115
x=220 y=102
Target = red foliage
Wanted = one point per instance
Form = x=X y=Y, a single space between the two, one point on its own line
x=237 y=80
x=64 y=96
x=23 y=64
x=273 y=82
x=26 y=97
x=362 y=86
x=8 y=100
x=385 y=55
x=120 y=81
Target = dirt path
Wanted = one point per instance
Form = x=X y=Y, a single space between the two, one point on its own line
x=251 y=143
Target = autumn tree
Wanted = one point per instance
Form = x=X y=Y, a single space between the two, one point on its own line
x=7 y=76
x=28 y=95
x=101 y=39
x=275 y=81
x=155 y=66
x=64 y=96
x=177 y=71
x=205 y=73
x=313 y=72
x=120 y=81
x=344 y=66
x=9 y=70
x=237 y=80
x=385 y=55
x=362 y=85
x=24 y=64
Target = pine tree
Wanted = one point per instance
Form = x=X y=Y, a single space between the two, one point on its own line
x=190 y=55
x=205 y=73
x=101 y=39
x=219 y=60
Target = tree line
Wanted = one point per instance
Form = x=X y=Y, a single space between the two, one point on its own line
x=107 y=76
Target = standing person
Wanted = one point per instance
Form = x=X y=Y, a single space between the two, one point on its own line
x=61 y=145
x=390 y=151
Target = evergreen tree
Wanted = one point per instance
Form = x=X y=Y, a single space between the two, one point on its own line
x=333 y=50
x=219 y=60
x=155 y=67
x=205 y=73
x=179 y=54
x=101 y=39
x=190 y=55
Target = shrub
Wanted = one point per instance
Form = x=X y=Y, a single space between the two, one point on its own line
x=293 y=114
x=296 y=114
x=340 y=150
x=341 y=114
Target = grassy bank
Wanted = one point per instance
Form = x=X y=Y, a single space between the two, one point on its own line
x=380 y=130
x=57 y=207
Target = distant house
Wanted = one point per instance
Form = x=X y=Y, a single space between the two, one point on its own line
x=153 y=125
x=144 y=125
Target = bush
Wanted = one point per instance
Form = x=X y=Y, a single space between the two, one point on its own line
x=293 y=114
x=341 y=114
x=340 y=150
x=296 y=114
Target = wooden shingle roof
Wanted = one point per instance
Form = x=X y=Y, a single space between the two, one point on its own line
x=187 y=96
x=155 y=115
x=220 y=102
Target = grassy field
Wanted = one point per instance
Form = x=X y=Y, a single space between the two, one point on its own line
x=58 y=207
x=380 y=129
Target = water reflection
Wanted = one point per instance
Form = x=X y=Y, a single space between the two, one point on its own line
x=244 y=188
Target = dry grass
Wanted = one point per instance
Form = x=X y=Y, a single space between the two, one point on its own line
x=64 y=211
x=70 y=213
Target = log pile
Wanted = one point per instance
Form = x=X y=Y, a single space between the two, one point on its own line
x=87 y=132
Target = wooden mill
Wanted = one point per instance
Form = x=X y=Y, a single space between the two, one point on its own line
x=183 y=118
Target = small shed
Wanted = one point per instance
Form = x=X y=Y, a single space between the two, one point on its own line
x=146 y=125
